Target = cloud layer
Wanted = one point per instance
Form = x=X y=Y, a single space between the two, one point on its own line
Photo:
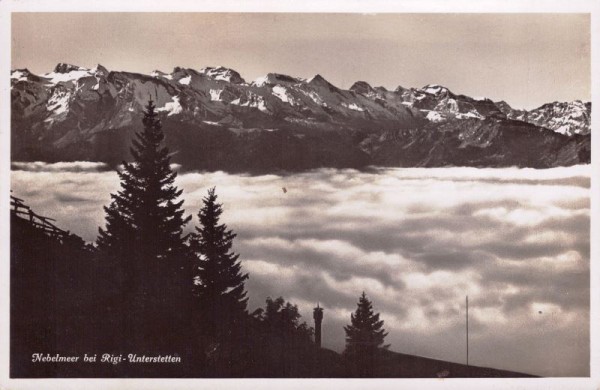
x=416 y=240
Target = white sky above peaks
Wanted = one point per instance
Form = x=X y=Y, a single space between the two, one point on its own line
x=524 y=59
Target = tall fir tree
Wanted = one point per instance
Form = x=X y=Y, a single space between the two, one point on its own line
x=145 y=212
x=143 y=238
x=219 y=279
x=364 y=339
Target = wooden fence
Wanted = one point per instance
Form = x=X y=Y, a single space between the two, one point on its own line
x=21 y=210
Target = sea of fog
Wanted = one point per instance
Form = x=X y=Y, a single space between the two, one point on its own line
x=417 y=241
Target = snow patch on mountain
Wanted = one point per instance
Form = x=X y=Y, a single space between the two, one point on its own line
x=58 y=103
x=261 y=105
x=261 y=81
x=222 y=74
x=172 y=108
x=58 y=106
x=19 y=75
x=469 y=115
x=282 y=94
x=434 y=116
x=315 y=97
x=276 y=79
x=186 y=80
x=158 y=73
x=74 y=75
x=448 y=105
x=353 y=106
x=215 y=95
x=251 y=100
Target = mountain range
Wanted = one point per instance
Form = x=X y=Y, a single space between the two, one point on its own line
x=215 y=120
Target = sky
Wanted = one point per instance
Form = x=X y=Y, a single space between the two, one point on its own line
x=524 y=59
x=417 y=241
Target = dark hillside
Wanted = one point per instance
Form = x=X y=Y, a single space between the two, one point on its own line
x=63 y=301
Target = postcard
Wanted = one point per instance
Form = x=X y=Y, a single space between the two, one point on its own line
x=339 y=196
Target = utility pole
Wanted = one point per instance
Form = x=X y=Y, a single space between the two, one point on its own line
x=467 y=300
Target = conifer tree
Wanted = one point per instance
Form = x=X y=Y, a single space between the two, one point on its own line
x=364 y=339
x=219 y=279
x=147 y=202
x=282 y=319
x=144 y=222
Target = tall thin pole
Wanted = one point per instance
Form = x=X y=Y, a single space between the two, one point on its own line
x=467 y=330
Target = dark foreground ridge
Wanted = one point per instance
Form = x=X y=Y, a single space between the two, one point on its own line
x=64 y=309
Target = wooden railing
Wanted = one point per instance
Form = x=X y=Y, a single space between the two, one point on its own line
x=21 y=210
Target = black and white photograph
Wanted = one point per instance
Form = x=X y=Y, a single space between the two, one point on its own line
x=209 y=194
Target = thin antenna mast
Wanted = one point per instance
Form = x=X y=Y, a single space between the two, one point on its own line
x=467 y=299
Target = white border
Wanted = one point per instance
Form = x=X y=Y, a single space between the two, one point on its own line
x=342 y=6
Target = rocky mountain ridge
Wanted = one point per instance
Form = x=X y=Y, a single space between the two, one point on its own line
x=79 y=113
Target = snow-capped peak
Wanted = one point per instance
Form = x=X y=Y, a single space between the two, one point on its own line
x=100 y=70
x=62 y=67
x=434 y=89
x=223 y=74
x=219 y=91
x=67 y=72
x=20 y=74
x=563 y=117
x=160 y=73
x=261 y=81
x=275 y=78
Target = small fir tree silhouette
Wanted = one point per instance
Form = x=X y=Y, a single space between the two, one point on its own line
x=282 y=319
x=364 y=339
x=282 y=343
x=219 y=280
